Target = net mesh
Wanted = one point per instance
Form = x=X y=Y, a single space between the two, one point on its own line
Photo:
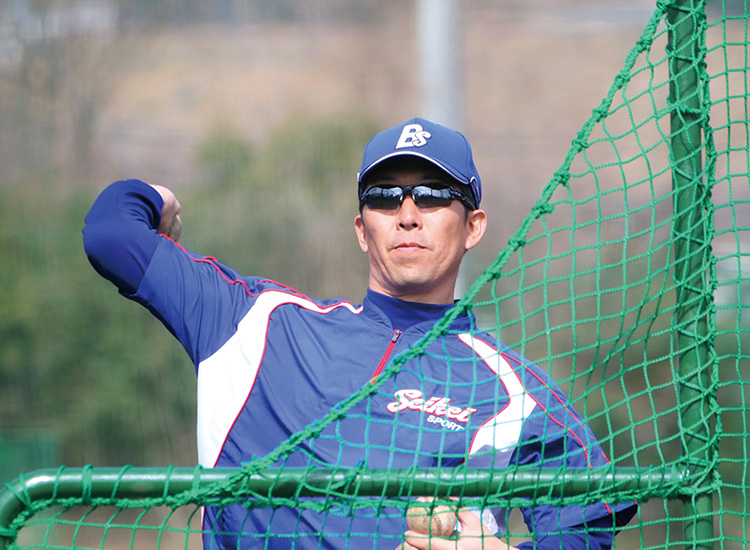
x=626 y=282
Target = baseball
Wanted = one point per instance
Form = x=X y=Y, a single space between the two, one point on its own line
x=438 y=521
x=175 y=228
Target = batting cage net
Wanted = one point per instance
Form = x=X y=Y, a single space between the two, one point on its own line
x=628 y=276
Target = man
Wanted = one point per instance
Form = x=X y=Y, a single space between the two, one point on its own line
x=272 y=361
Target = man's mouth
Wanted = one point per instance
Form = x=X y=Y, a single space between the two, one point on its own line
x=409 y=246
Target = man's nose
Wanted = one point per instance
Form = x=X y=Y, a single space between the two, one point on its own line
x=409 y=215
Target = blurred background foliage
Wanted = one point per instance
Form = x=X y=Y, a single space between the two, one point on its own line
x=88 y=377
x=255 y=112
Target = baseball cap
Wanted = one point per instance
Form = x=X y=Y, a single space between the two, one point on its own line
x=442 y=146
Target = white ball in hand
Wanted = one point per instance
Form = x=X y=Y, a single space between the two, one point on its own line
x=175 y=228
x=426 y=518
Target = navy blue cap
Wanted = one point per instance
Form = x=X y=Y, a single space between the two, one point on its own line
x=445 y=148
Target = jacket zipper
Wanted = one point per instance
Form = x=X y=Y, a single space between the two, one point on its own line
x=387 y=354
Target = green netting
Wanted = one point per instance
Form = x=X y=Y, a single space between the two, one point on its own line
x=625 y=282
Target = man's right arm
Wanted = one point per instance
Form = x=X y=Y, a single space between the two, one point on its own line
x=122 y=230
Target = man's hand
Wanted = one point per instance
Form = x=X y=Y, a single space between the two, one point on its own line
x=171 y=223
x=473 y=536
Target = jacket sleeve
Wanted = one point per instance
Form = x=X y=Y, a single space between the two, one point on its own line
x=580 y=537
x=198 y=299
x=556 y=436
x=120 y=235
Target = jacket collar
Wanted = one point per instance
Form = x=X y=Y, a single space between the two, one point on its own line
x=403 y=315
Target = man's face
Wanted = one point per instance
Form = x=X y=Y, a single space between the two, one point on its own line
x=414 y=252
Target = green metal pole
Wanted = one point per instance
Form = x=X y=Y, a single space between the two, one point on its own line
x=686 y=21
x=113 y=486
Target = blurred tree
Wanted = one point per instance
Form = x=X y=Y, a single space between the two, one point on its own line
x=285 y=209
x=78 y=362
x=225 y=156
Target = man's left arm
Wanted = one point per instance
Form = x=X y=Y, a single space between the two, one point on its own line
x=596 y=535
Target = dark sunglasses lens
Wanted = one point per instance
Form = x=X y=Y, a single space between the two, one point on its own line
x=424 y=196
x=430 y=197
x=383 y=198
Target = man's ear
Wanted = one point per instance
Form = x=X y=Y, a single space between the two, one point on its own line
x=359 y=229
x=476 y=224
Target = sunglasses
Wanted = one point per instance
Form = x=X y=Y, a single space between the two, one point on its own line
x=424 y=195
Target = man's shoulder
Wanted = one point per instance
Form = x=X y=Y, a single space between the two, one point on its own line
x=271 y=296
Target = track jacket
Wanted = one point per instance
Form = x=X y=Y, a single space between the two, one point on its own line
x=271 y=361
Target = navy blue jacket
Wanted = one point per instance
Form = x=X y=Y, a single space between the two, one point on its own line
x=271 y=361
